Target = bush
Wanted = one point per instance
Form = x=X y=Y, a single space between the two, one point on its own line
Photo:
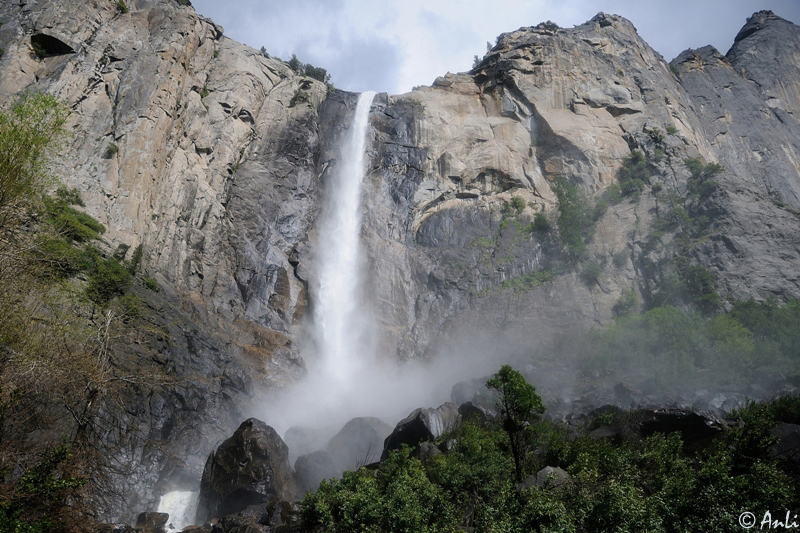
x=151 y=284
x=300 y=96
x=575 y=221
x=540 y=223
x=517 y=204
x=672 y=130
x=634 y=174
x=28 y=132
x=111 y=150
x=590 y=273
x=108 y=280
x=122 y=7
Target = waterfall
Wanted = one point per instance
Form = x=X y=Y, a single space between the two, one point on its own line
x=181 y=507
x=340 y=329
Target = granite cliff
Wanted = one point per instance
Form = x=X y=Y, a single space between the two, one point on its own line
x=214 y=157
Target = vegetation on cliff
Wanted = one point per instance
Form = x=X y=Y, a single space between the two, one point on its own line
x=64 y=304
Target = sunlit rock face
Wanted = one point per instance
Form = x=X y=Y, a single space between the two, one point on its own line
x=224 y=154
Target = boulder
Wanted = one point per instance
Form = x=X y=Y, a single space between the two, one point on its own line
x=261 y=517
x=304 y=440
x=422 y=425
x=311 y=469
x=360 y=442
x=470 y=411
x=694 y=426
x=547 y=477
x=473 y=391
x=152 y=522
x=250 y=467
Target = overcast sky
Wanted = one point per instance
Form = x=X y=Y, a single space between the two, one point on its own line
x=393 y=45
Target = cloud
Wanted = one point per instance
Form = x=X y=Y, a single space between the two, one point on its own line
x=393 y=45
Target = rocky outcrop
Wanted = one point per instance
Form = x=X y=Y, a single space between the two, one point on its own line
x=250 y=467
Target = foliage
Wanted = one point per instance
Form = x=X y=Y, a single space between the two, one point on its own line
x=29 y=131
x=122 y=7
x=398 y=497
x=540 y=223
x=151 y=284
x=575 y=221
x=672 y=130
x=307 y=69
x=701 y=183
x=136 y=259
x=638 y=483
x=517 y=403
x=529 y=281
x=634 y=174
x=299 y=96
x=109 y=279
x=517 y=204
x=111 y=150
x=590 y=272
x=626 y=303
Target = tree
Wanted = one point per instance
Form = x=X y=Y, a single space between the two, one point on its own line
x=28 y=133
x=517 y=402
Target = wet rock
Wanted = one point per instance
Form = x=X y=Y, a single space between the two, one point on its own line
x=470 y=411
x=152 y=522
x=311 y=469
x=358 y=443
x=422 y=425
x=475 y=392
x=267 y=517
x=248 y=468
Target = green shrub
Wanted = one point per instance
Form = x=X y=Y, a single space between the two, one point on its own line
x=517 y=204
x=575 y=220
x=590 y=272
x=72 y=224
x=111 y=150
x=32 y=127
x=656 y=135
x=70 y=196
x=122 y=7
x=634 y=174
x=299 y=96
x=136 y=259
x=672 y=130
x=151 y=284
x=540 y=223
x=108 y=280
x=620 y=258
x=701 y=183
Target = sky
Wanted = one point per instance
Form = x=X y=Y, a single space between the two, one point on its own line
x=393 y=45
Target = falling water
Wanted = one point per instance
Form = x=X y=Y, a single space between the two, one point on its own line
x=338 y=319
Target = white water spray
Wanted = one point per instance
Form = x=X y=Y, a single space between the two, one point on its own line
x=181 y=507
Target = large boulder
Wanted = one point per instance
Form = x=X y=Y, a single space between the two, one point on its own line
x=359 y=443
x=311 y=469
x=422 y=425
x=694 y=426
x=250 y=467
x=274 y=515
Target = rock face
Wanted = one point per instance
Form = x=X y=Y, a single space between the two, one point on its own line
x=250 y=467
x=220 y=172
